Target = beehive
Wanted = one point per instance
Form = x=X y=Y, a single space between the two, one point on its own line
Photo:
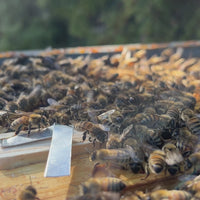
x=129 y=96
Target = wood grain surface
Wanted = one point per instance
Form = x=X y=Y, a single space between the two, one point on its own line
x=15 y=180
x=19 y=172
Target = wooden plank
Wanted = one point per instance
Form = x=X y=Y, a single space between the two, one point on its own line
x=15 y=180
x=31 y=153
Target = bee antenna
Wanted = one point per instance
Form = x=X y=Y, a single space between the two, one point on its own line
x=30 y=180
x=87 y=150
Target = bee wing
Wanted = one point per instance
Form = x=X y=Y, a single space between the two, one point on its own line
x=126 y=131
x=136 y=154
x=51 y=102
x=92 y=116
x=21 y=113
x=90 y=96
x=173 y=157
x=104 y=127
x=105 y=115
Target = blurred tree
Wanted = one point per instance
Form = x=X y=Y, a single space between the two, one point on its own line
x=41 y=23
x=22 y=25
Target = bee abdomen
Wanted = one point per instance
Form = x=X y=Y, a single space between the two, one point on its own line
x=148 y=118
x=194 y=125
x=99 y=134
x=157 y=167
x=173 y=169
x=185 y=147
x=115 y=185
x=155 y=138
x=157 y=161
x=173 y=112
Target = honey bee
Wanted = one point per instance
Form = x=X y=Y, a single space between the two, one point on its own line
x=113 y=121
x=180 y=106
x=113 y=142
x=27 y=120
x=145 y=98
x=23 y=103
x=11 y=106
x=162 y=106
x=95 y=185
x=121 y=156
x=58 y=91
x=34 y=97
x=172 y=153
x=173 y=112
x=19 y=86
x=191 y=121
x=140 y=54
x=170 y=194
x=93 y=130
x=78 y=112
x=60 y=118
x=54 y=77
x=167 y=52
x=156 y=162
x=186 y=114
x=142 y=134
x=29 y=193
x=102 y=100
x=126 y=158
x=185 y=141
x=37 y=97
x=121 y=101
x=3 y=103
x=193 y=185
x=192 y=164
x=155 y=121
x=130 y=111
x=68 y=100
x=145 y=134
x=173 y=158
x=193 y=125
x=150 y=110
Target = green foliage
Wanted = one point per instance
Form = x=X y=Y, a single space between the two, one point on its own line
x=37 y=24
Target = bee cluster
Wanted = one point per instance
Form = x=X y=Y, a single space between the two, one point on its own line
x=143 y=109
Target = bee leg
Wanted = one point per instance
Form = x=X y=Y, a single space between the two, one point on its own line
x=146 y=169
x=18 y=130
x=84 y=135
x=90 y=139
x=76 y=116
x=29 y=129
x=94 y=142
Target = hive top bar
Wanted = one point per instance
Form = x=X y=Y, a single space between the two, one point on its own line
x=103 y=49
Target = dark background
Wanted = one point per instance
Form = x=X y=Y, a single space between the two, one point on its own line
x=38 y=24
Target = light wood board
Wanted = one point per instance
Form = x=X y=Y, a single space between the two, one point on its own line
x=15 y=180
x=35 y=152
x=24 y=172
